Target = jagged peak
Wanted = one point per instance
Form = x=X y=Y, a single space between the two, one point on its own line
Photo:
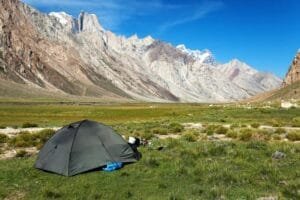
x=204 y=56
x=89 y=22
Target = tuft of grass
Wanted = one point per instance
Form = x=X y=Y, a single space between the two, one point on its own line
x=3 y=138
x=275 y=123
x=211 y=129
x=190 y=136
x=296 y=122
x=245 y=134
x=22 y=154
x=221 y=130
x=276 y=137
x=293 y=136
x=232 y=134
x=29 y=125
x=27 y=139
x=255 y=125
x=263 y=134
x=160 y=131
x=175 y=128
x=233 y=126
x=147 y=135
x=151 y=162
x=280 y=131
x=49 y=194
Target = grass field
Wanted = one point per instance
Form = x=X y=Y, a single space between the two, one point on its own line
x=187 y=168
x=57 y=115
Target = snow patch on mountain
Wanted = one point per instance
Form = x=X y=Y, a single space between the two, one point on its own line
x=62 y=17
x=204 y=56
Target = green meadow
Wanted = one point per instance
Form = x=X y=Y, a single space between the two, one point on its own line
x=189 y=167
x=55 y=114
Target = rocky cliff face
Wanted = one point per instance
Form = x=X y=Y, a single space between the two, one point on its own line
x=77 y=56
x=293 y=74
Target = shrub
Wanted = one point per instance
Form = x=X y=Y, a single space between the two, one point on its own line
x=175 y=128
x=280 y=131
x=2 y=127
x=160 y=131
x=21 y=154
x=232 y=134
x=245 y=134
x=293 y=136
x=3 y=138
x=255 y=125
x=221 y=130
x=190 y=136
x=29 y=125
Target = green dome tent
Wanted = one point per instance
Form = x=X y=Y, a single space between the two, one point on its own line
x=83 y=146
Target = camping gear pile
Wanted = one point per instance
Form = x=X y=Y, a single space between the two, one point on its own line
x=84 y=146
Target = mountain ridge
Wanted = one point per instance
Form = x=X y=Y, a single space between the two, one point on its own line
x=60 y=52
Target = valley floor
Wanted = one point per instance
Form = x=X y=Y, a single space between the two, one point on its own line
x=208 y=152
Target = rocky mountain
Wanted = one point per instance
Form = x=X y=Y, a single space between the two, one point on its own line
x=246 y=77
x=60 y=53
x=293 y=74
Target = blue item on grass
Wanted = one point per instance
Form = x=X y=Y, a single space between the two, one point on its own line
x=112 y=166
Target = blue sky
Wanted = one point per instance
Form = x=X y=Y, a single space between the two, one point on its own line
x=263 y=33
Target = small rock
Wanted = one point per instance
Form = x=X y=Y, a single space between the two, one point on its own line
x=278 y=155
